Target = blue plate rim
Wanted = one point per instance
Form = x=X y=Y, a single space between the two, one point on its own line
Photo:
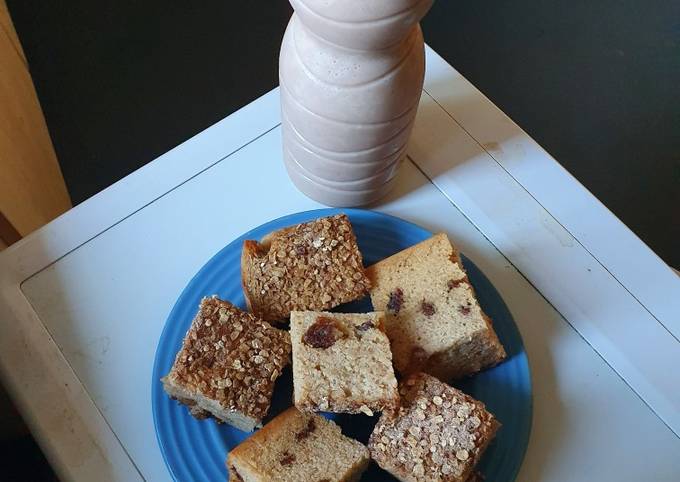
x=321 y=212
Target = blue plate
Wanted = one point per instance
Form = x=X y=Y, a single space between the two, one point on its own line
x=195 y=450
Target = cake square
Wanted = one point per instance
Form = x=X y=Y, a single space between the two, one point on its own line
x=228 y=364
x=439 y=433
x=298 y=447
x=342 y=362
x=311 y=266
x=434 y=321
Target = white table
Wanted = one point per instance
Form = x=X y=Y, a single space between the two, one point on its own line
x=84 y=299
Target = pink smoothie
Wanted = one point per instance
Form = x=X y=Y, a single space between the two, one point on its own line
x=351 y=73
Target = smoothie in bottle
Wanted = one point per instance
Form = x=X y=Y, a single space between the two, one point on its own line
x=351 y=73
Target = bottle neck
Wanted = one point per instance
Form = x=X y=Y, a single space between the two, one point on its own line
x=349 y=24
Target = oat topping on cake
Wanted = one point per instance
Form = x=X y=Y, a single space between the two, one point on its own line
x=228 y=363
x=311 y=266
x=439 y=433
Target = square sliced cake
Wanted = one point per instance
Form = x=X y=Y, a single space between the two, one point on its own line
x=342 y=362
x=434 y=321
x=298 y=447
x=439 y=433
x=311 y=266
x=228 y=364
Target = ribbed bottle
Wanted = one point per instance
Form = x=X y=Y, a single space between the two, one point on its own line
x=351 y=73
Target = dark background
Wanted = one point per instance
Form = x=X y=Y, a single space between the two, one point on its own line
x=597 y=84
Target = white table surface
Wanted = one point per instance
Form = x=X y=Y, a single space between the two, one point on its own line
x=83 y=300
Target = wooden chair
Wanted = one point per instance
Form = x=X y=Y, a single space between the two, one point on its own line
x=32 y=189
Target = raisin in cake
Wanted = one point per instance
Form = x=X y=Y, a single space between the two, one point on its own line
x=439 y=433
x=228 y=364
x=342 y=362
x=310 y=266
x=434 y=321
x=298 y=447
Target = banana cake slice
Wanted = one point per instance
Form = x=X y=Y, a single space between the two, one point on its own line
x=298 y=447
x=434 y=321
x=228 y=364
x=439 y=433
x=310 y=266
x=342 y=363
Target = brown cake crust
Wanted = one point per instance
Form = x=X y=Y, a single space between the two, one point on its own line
x=228 y=364
x=439 y=434
x=434 y=321
x=342 y=363
x=298 y=447
x=310 y=266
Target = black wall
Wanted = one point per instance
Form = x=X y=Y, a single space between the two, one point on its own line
x=596 y=83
